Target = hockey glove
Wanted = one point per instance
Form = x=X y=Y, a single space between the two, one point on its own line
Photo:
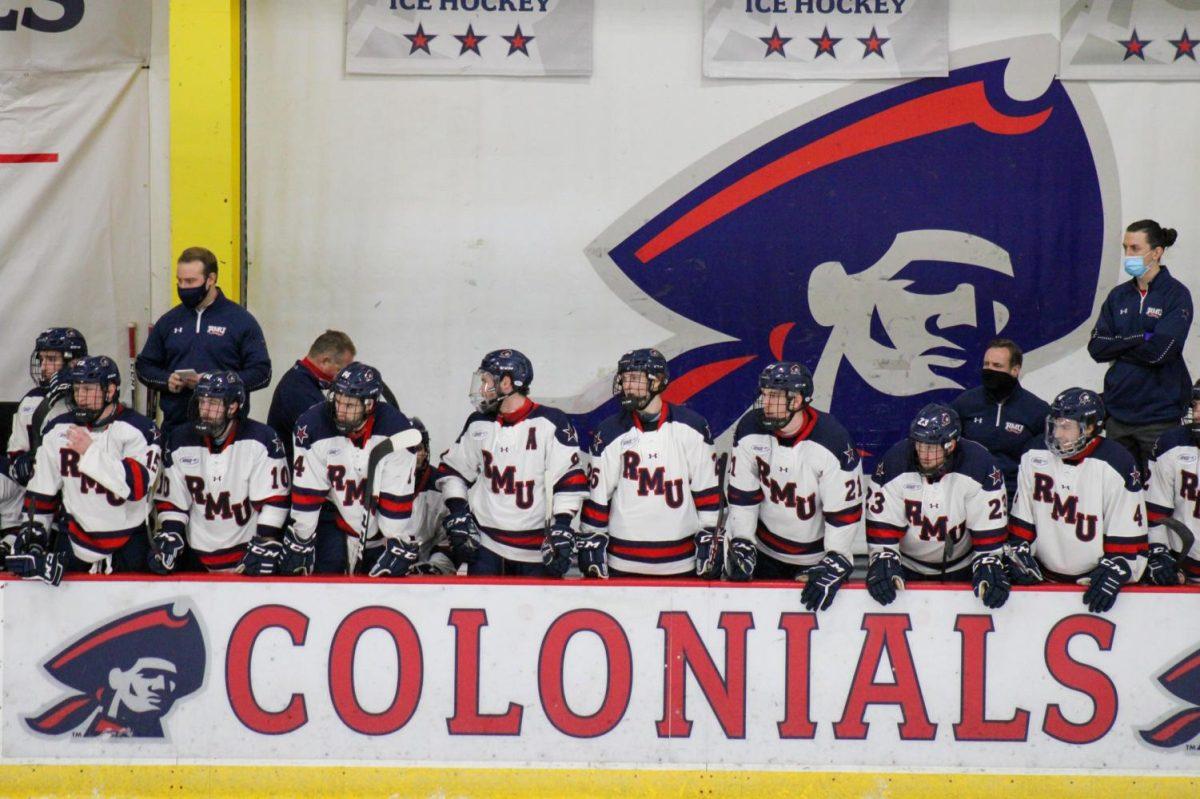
x=710 y=554
x=20 y=468
x=261 y=558
x=438 y=565
x=558 y=548
x=1023 y=566
x=1104 y=582
x=396 y=559
x=824 y=580
x=297 y=557
x=884 y=576
x=593 y=555
x=1160 y=566
x=743 y=556
x=31 y=561
x=989 y=580
x=164 y=551
x=463 y=533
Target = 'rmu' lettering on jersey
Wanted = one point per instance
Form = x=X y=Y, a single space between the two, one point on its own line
x=1066 y=510
x=504 y=481
x=353 y=491
x=652 y=482
x=932 y=530
x=70 y=468
x=1189 y=489
x=806 y=507
x=220 y=506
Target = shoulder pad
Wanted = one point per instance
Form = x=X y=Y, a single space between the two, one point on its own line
x=829 y=433
x=477 y=416
x=313 y=425
x=686 y=416
x=979 y=464
x=894 y=463
x=389 y=419
x=1169 y=440
x=62 y=418
x=610 y=430
x=749 y=425
x=257 y=431
x=137 y=421
x=564 y=431
x=1121 y=461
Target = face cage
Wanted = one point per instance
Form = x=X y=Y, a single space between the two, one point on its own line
x=35 y=366
x=205 y=427
x=777 y=422
x=1081 y=441
x=643 y=388
x=939 y=469
x=346 y=428
x=86 y=416
x=1191 y=419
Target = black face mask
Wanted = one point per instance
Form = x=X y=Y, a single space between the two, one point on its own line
x=998 y=384
x=192 y=297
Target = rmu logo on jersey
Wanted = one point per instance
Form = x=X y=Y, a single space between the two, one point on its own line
x=881 y=239
x=653 y=480
x=1064 y=510
x=353 y=491
x=935 y=530
x=219 y=506
x=805 y=506
x=504 y=481
x=1189 y=489
x=126 y=675
x=1182 y=680
x=69 y=467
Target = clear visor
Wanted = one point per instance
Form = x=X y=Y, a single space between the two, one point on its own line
x=1192 y=417
x=1065 y=437
x=484 y=394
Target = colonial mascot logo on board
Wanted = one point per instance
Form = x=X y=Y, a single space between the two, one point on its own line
x=881 y=234
x=126 y=675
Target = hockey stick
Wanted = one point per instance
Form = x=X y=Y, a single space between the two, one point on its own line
x=151 y=392
x=405 y=439
x=1186 y=537
x=722 y=512
x=133 y=365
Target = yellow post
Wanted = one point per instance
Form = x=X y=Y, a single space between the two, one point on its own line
x=206 y=133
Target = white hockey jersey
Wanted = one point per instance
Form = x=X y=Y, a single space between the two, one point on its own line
x=501 y=465
x=796 y=497
x=331 y=467
x=12 y=494
x=652 y=490
x=1174 y=493
x=219 y=496
x=938 y=526
x=428 y=511
x=1078 y=510
x=106 y=491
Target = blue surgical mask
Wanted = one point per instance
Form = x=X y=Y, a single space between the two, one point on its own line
x=1135 y=265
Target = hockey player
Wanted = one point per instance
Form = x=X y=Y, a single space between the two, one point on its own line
x=53 y=350
x=103 y=459
x=936 y=509
x=494 y=477
x=1078 y=515
x=794 y=486
x=1173 y=502
x=226 y=484
x=654 y=501
x=428 y=511
x=333 y=444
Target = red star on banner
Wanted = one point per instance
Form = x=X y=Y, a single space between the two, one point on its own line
x=518 y=42
x=1184 y=46
x=420 y=40
x=1134 y=46
x=873 y=44
x=825 y=44
x=470 y=42
x=775 y=43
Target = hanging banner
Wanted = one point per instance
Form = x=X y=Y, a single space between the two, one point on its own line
x=628 y=673
x=1129 y=40
x=825 y=39
x=74 y=174
x=469 y=37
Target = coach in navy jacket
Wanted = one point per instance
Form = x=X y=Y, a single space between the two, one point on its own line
x=206 y=332
x=1141 y=331
x=305 y=384
x=1001 y=414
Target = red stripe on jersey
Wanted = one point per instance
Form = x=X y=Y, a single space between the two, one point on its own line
x=844 y=517
x=739 y=497
x=1135 y=548
x=652 y=551
x=138 y=477
x=787 y=546
x=1156 y=513
x=594 y=514
x=572 y=479
x=989 y=540
x=885 y=533
x=518 y=539
x=307 y=500
x=222 y=559
x=105 y=543
x=707 y=499
x=1021 y=529
x=398 y=505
